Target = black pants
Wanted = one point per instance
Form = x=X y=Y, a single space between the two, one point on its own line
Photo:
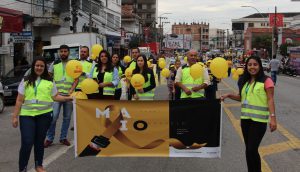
x=118 y=93
x=253 y=133
x=33 y=132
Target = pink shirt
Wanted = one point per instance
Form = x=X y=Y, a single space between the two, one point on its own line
x=269 y=83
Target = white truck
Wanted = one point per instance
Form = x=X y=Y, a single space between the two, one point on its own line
x=74 y=41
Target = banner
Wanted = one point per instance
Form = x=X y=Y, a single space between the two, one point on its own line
x=279 y=20
x=188 y=128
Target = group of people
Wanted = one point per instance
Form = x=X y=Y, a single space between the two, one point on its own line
x=42 y=94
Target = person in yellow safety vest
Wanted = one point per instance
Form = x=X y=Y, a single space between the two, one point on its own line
x=65 y=86
x=33 y=111
x=147 y=92
x=135 y=53
x=116 y=63
x=107 y=77
x=86 y=65
x=191 y=89
x=256 y=92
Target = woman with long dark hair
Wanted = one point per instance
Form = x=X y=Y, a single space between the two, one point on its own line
x=256 y=92
x=147 y=92
x=34 y=111
x=121 y=69
x=107 y=77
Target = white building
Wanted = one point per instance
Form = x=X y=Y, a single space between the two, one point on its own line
x=217 y=38
x=43 y=19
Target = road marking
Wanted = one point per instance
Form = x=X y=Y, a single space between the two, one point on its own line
x=54 y=156
x=294 y=142
x=274 y=148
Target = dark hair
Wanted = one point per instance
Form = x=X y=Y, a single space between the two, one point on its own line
x=246 y=77
x=118 y=63
x=64 y=47
x=136 y=49
x=86 y=48
x=274 y=56
x=31 y=78
x=145 y=67
x=109 y=66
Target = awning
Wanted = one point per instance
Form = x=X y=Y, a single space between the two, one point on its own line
x=11 y=20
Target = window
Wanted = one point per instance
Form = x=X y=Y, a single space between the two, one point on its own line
x=110 y=20
x=86 y=6
x=117 y=22
x=250 y=24
x=148 y=16
x=140 y=6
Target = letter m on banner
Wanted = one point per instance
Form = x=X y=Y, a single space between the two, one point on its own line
x=279 y=20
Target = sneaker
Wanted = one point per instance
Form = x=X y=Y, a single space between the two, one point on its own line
x=40 y=169
x=65 y=142
x=47 y=143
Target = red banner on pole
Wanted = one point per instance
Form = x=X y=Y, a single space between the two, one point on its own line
x=11 y=20
x=279 y=20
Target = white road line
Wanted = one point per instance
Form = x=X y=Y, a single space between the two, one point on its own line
x=55 y=155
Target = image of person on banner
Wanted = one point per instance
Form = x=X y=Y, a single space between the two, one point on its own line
x=147 y=92
x=190 y=88
x=256 y=92
x=65 y=86
x=107 y=77
x=121 y=69
x=34 y=112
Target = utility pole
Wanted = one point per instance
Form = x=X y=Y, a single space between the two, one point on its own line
x=74 y=12
x=90 y=18
x=274 y=35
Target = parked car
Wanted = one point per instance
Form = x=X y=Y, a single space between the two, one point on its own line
x=265 y=64
x=1 y=98
x=11 y=82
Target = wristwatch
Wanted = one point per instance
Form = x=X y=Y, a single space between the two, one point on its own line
x=272 y=115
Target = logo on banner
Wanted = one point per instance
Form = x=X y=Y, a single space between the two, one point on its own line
x=279 y=20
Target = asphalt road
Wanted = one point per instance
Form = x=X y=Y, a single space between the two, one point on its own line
x=279 y=150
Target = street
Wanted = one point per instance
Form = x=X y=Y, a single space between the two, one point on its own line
x=279 y=150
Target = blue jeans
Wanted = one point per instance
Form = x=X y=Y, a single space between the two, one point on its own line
x=274 y=76
x=67 y=112
x=33 y=132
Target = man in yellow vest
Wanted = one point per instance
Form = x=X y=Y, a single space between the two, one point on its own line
x=191 y=89
x=86 y=65
x=65 y=86
x=135 y=53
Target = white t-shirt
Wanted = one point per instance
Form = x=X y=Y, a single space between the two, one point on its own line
x=21 y=88
x=274 y=64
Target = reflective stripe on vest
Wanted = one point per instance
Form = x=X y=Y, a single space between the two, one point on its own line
x=188 y=81
x=255 y=103
x=41 y=102
x=149 y=95
x=61 y=78
x=108 y=77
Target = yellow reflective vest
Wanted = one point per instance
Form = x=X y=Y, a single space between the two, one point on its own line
x=62 y=80
x=149 y=95
x=86 y=67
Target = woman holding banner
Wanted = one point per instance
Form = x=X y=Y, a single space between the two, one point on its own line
x=256 y=92
x=107 y=77
x=147 y=92
x=34 y=112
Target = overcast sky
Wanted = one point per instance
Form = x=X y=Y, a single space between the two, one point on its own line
x=219 y=12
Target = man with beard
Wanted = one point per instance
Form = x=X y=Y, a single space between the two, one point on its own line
x=65 y=86
x=191 y=89
x=135 y=53
x=86 y=65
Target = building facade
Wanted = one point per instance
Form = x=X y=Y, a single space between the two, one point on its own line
x=198 y=31
x=217 y=38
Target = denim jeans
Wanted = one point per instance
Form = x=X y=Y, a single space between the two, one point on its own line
x=33 y=132
x=67 y=112
x=274 y=76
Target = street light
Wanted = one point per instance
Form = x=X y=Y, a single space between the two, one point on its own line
x=248 y=6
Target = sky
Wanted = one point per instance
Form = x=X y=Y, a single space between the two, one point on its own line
x=218 y=12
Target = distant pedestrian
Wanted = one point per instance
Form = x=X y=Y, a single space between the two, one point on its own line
x=34 y=111
x=274 y=66
x=256 y=92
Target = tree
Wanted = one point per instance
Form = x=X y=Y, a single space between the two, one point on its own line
x=262 y=41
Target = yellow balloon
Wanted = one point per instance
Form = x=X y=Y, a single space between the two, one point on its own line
x=127 y=59
x=94 y=56
x=218 y=67
x=128 y=73
x=202 y=64
x=235 y=77
x=79 y=95
x=74 y=68
x=165 y=72
x=148 y=63
x=89 y=86
x=162 y=64
x=196 y=71
x=225 y=75
x=160 y=59
x=185 y=59
x=233 y=70
x=137 y=81
x=240 y=71
x=96 y=49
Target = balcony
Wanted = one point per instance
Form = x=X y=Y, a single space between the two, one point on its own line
x=47 y=21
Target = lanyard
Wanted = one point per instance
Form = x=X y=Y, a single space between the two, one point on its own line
x=36 y=86
x=63 y=68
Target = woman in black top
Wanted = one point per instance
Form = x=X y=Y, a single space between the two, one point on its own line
x=106 y=76
x=147 y=92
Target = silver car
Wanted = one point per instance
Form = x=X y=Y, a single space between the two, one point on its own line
x=1 y=98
